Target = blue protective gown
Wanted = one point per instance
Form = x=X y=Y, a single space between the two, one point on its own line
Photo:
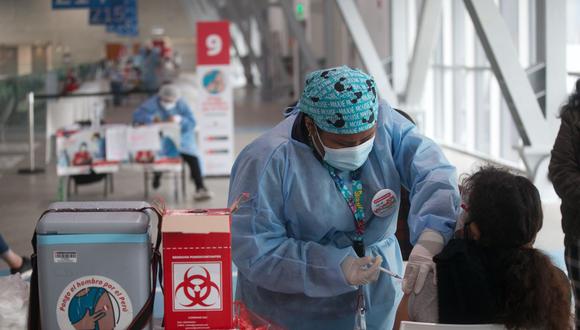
x=290 y=238
x=168 y=148
x=151 y=109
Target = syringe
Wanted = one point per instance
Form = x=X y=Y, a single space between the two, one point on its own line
x=390 y=273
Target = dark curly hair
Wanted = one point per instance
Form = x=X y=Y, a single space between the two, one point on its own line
x=573 y=103
x=508 y=213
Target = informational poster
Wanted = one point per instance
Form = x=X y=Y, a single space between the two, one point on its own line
x=143 y=138
x=154 y=144
x=215 y=97
x=81 y=151
x=116 y=143
x=84 y=151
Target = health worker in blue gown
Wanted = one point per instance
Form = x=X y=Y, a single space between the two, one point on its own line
x=169 y=106
x=324 y=189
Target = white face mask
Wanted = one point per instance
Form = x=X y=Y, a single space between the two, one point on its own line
x=168 y=105
x=347 y=159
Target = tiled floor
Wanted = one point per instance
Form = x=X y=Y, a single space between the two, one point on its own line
x=23 y=198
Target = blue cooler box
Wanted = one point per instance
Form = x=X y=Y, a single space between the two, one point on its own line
x=93 y=267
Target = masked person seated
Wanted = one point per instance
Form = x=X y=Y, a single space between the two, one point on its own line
x=168 y=106
x=493 y=274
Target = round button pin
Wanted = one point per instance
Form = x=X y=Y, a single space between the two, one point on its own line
x=384 y=202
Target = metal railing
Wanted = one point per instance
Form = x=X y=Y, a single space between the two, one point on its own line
x=14 y=93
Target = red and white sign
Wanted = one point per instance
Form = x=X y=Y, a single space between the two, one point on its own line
x=213 y=43
x=197 y=286
x=215 y=97
x=198 y=269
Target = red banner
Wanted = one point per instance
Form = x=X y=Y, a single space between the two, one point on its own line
x=213 y=43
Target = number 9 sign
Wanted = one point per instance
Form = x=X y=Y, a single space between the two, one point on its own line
x=213 y=43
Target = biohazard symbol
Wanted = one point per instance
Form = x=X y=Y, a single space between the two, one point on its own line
x=199 y=291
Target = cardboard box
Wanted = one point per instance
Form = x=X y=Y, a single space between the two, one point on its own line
x=197 y=266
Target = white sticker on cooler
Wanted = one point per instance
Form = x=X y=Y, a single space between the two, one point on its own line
x=94 y=302
x=65 y=257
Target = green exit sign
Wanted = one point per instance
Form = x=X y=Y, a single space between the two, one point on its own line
x=300 y=11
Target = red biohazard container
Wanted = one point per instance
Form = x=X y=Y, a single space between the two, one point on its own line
x=197 y=265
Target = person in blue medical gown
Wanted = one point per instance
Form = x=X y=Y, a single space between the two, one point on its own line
x=168 y=106
x=324 y=189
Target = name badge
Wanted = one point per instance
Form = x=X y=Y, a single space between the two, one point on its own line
x=384 y=203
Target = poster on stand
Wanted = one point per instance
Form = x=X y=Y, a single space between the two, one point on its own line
x=154 y=144
x=116 y=143
x=81 y=152
x=215 y=98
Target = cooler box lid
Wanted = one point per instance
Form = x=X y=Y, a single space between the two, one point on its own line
x=109 y=222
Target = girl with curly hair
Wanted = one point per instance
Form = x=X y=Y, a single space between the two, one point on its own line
x=493 y=274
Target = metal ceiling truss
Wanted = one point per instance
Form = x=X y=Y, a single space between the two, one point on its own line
x=366 y=49
x=537 y=131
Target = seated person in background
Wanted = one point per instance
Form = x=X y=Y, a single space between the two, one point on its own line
x=493 y=274
x=168 y=106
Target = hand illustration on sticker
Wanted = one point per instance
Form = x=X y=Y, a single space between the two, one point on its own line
x=92 y=308
x=94 y=303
